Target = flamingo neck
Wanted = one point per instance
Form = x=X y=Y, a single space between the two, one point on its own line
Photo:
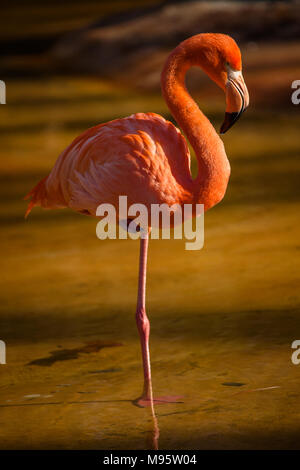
x=209 y=186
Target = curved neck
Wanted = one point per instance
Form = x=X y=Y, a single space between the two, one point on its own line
x=209 y=186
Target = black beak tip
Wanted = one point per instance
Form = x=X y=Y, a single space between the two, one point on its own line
x=230 y=119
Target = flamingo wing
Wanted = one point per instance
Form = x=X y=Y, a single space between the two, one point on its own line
x=142 y=156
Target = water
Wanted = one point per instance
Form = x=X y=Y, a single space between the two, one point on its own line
x=222 y=319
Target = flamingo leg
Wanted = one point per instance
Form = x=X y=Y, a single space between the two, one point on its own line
x=142 y=321
x=143 y=325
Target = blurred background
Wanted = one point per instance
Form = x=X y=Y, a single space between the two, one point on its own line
x=223 y=319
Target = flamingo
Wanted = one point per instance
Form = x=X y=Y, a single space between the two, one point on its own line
x=146 y=158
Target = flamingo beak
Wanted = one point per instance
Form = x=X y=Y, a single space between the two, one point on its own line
x=237 y=99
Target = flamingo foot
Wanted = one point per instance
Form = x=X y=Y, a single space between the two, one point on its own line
x=143 y=402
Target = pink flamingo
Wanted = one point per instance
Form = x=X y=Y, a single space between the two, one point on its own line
x=146 y=158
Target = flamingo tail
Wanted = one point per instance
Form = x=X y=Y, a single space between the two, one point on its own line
x=37 y=195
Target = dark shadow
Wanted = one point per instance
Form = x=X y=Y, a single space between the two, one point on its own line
x=233 y=384
x=68 y=354
x=263 y=326
x=104 y=371
x=63 y=403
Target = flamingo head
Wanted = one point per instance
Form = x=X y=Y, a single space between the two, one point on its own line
x=220 y=58
x=237 y=96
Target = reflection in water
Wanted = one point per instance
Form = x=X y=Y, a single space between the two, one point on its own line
x=144 y=403
x=155 y=433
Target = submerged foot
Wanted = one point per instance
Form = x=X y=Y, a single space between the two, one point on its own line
x=143 y=402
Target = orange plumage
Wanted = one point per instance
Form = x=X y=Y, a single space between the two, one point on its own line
x=142 y=156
